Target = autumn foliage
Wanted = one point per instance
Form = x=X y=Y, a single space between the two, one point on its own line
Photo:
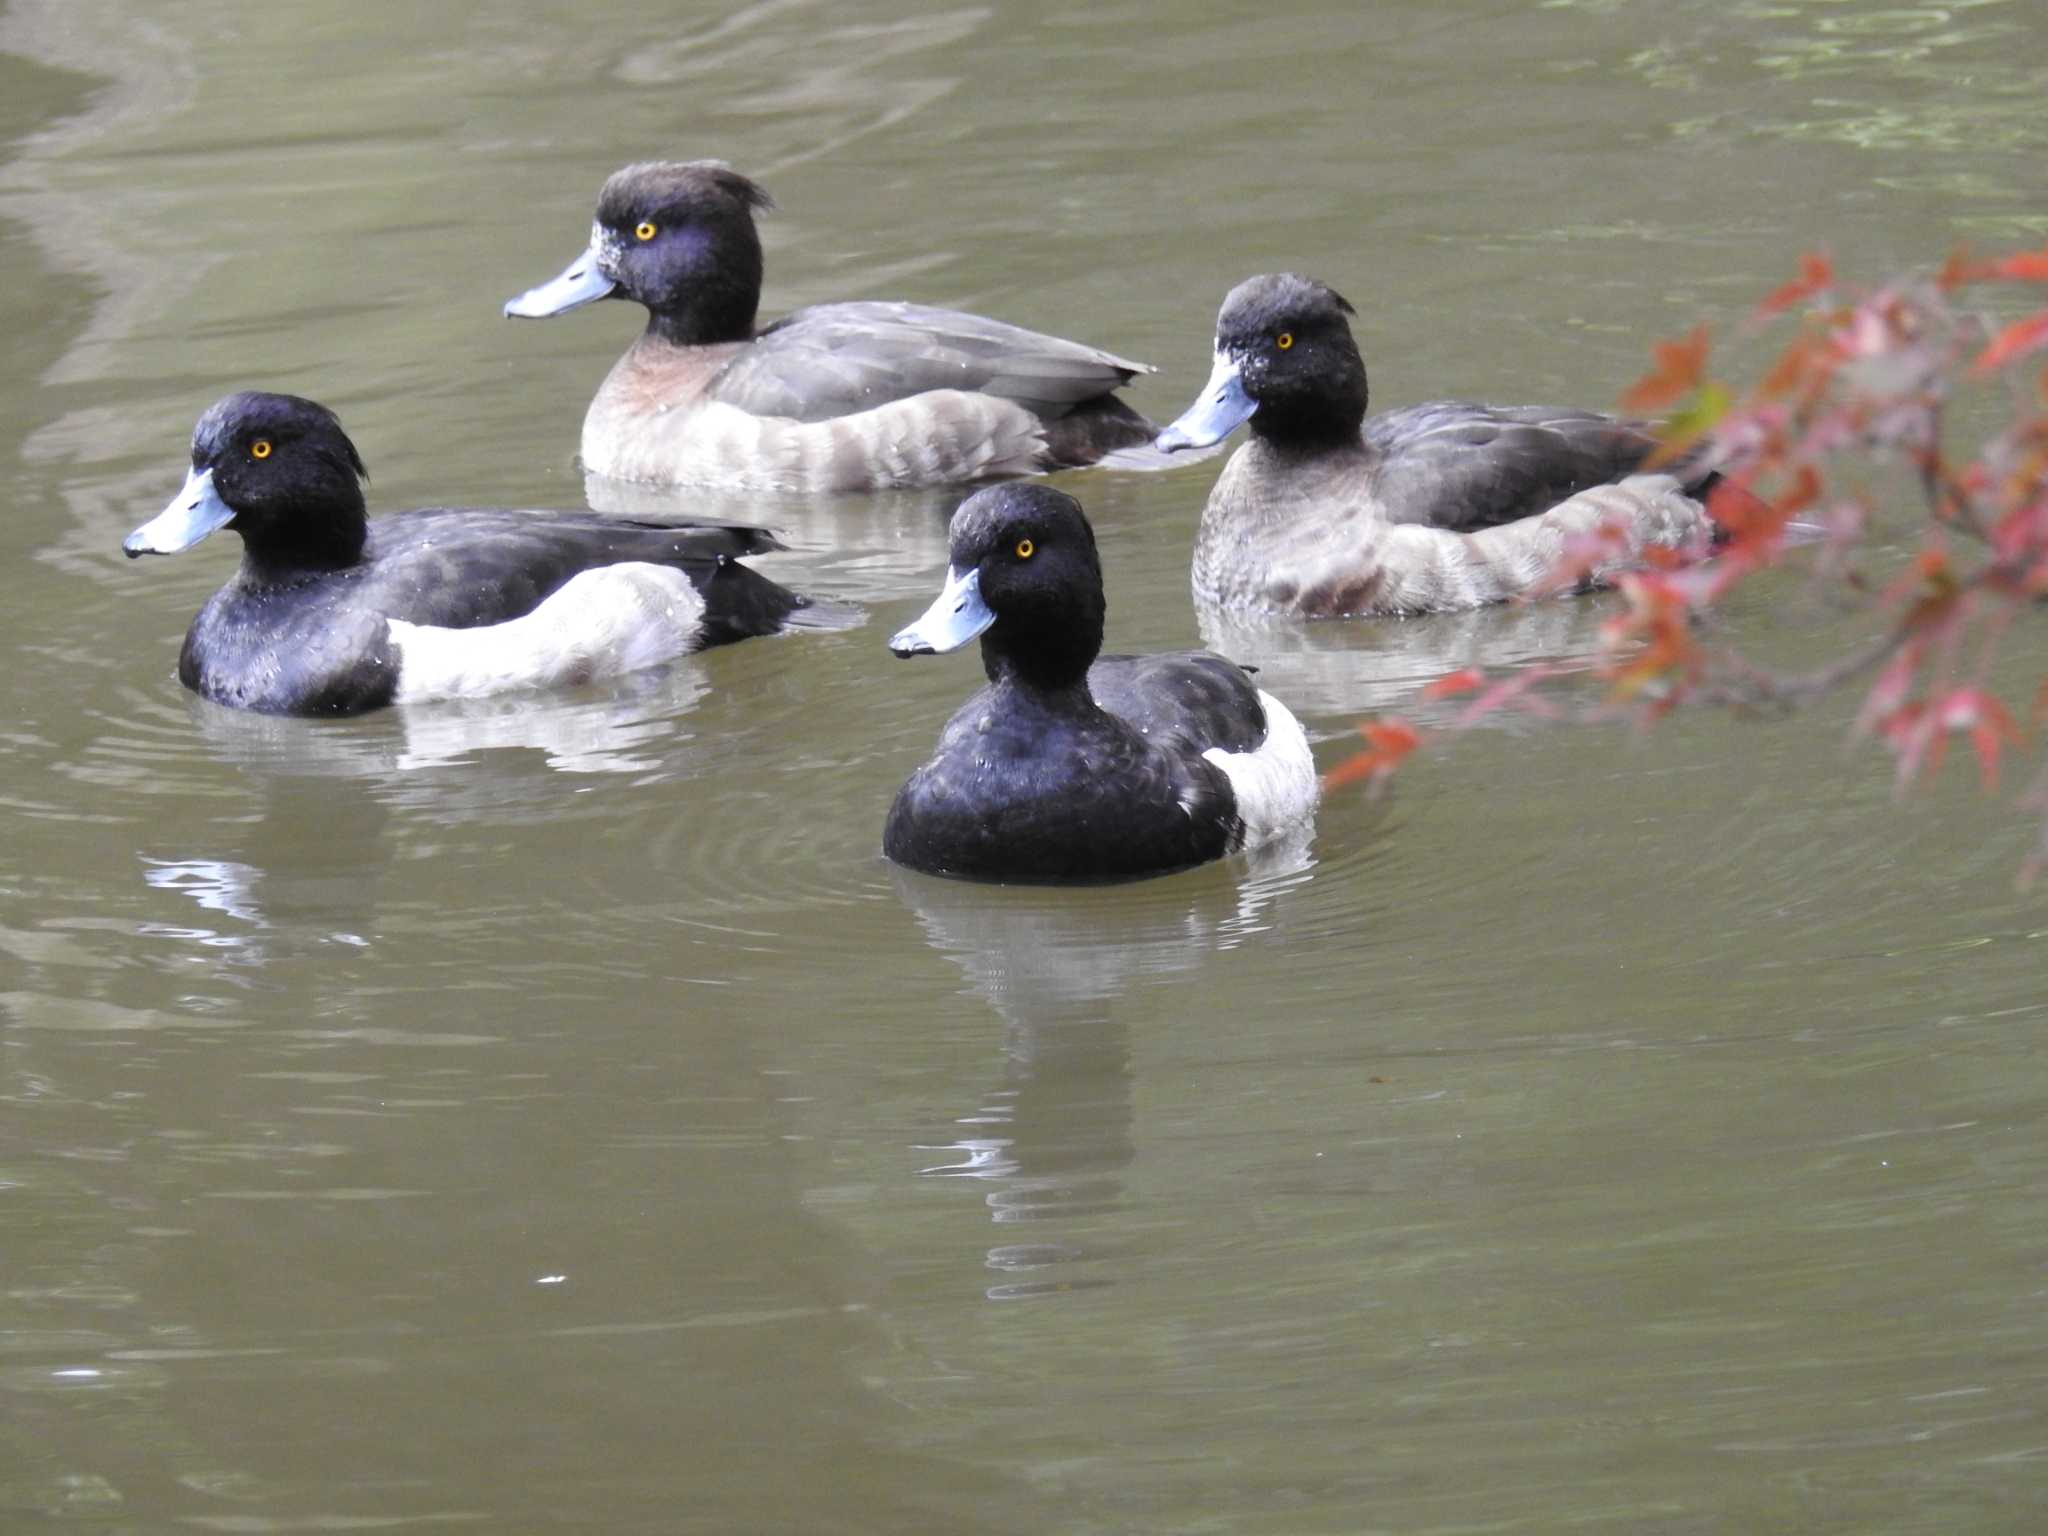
x=1864 y=380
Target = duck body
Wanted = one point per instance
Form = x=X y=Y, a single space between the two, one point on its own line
x=1071 y=766
x=1033 y=786
x=333 y=613
x=835 y=397
x=1328 y=513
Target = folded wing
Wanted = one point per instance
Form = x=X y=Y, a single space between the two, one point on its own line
x=837 y=359
x=1456 y=465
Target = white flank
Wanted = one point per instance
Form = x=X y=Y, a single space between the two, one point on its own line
x=1275 y=782
x=941 y=437
x=599 y=623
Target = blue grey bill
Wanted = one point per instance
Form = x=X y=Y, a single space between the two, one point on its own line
x=955 y=618
x=581 y=282
x=193 y=513
x=1218 y=410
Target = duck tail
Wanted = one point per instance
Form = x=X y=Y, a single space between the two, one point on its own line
x=1104 y=431
x=739 y=601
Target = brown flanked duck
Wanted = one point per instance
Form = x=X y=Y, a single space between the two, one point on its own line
x=835 y=397
x=1326 y=513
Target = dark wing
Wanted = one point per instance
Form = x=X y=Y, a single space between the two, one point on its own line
x=835 y=359
x=459 y=567
x=1455 y=465
x=1192 y=698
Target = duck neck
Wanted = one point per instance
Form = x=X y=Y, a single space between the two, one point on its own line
x=697 y=327
x=1051 y=665
x=713 y=298
x=307 y=545
x=1022 y=696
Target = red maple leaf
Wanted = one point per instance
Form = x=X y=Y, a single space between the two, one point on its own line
x=1816 y=273
x=1676 y=372
x=2024 y=267
x=1988 y=724
x=2016 y=340
x=1389 y=740
x=1464 y=680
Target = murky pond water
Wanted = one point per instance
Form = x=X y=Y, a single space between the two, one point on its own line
x=557 y=1116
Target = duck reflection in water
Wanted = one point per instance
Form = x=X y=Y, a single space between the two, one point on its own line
x=299 y=877
x=861 y=549
x=1051 y=1138
x=306 y=870
x=1348 y=670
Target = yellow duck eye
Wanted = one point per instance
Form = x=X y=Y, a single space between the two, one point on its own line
x=1026 y=549
x=260 y=449
x=644 y=230
x=1284 y=340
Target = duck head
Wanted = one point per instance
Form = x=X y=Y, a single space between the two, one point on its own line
x=1025 y=578
x=677 y=237
x=280 y=472
x=1285 y=361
